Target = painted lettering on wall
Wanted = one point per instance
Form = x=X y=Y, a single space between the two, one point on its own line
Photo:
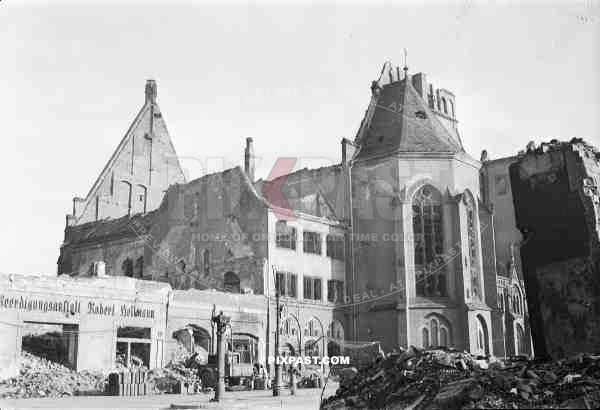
x=74 y=307
x=42 y=305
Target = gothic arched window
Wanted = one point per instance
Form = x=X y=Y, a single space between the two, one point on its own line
x=444 y=105
x=473 y=243
x=206 y=260
x=428 y=241
x=436 y=332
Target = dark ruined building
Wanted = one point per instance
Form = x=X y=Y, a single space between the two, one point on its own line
x=556 y=201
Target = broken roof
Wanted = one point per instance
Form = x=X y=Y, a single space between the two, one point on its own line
x=398 y=119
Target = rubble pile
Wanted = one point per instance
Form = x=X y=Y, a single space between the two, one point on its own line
x=167 y=379
x=445 y=379
x=42 y=378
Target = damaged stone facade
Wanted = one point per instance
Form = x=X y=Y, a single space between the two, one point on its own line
x=511 y=330
x=556 y=207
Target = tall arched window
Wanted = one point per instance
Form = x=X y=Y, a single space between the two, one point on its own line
x=517 y=304
x=139 y=200
x=206 y=260
x=124 y=196
x=434 y=333
x=443 y=337
x=425 y=336
x=473 y=246
x=444 y=105
x=428 y=242
x=451 y=108
x=520 y=342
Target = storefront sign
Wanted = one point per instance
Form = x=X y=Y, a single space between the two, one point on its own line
x=73 y=307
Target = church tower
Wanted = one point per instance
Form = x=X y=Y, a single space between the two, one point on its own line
x=416 y=216
x=137 y=174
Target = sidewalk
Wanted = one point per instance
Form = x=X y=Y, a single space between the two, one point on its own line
x=305 y=399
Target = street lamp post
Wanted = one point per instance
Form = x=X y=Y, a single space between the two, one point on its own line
x=221 y=321
x=277 y=382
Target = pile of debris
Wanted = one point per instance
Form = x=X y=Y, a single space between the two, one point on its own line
x=180 y=370
x=446 y=379
x=39 y=377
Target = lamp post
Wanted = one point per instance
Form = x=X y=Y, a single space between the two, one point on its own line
x=277 y=382
x=221 y=321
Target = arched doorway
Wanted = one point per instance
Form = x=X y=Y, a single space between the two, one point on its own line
x=232 y=282
x=482 y=337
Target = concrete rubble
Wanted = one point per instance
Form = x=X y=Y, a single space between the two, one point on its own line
x=39 y=377
x=444 y=379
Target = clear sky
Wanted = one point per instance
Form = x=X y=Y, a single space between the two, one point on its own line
x=72 y=79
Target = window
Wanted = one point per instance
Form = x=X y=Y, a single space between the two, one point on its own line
x=425 y=337
x=443 y=337
x=436 y=332
x=285 y=236
x=133 y=346
x=312 y=288
x=313 y=328
x=517 y=305
x=335 y=246
x=451 y=108
x=206 y=260
x=246 y=346
x=336 y=330
x=520 y=342
x=127 y=267
x=311 y=348
x=427 y=230
x=473 y=243
x=335 y=290
x=232 y=282
x=139 y=205
x=444 y=105
x=311 y=242
x=139 y=267
x=286 y=284
x=124 y=196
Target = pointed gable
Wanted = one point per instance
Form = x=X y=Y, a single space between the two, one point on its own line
x=400 y=120
x=138 y=172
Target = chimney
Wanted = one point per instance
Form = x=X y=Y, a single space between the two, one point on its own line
x=348 y=150
x=249 y=158
x=419 y=82
x=151 y=91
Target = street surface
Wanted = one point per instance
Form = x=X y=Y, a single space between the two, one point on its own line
x=305 y=399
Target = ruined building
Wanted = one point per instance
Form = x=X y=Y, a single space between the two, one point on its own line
x=556 y=200
x=406 y=241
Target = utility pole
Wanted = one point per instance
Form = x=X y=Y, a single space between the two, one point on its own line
x=277 y=382
x=221 y=321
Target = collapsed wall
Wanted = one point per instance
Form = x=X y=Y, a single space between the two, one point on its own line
x=555 y=193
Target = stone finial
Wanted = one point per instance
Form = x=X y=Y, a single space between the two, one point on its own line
x=151 y=91
x=484 y=156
